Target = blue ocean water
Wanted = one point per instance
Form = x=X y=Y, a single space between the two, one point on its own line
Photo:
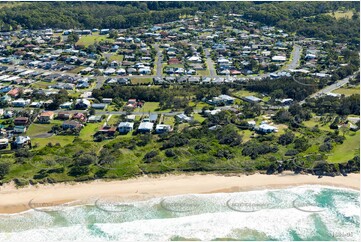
x=299 y=213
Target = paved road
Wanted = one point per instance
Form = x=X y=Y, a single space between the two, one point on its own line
x=159 y=60
x=296 y=54
x=332 y=87
x=210 y=64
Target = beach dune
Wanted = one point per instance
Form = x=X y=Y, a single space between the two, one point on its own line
x=15 y=200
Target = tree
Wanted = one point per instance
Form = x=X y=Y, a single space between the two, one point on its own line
x=188 y=110
x=72 y=38
x=113 y=34
x=4 y=169
x=286 y=138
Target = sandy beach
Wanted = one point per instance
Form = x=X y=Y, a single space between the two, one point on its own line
x=15 y=200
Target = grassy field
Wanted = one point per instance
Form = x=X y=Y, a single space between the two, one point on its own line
x=168 y=120
x=116 y=57
x=203 y=72
x=341 y=14
x=42 y=85
x=36 y=129
x=139 y=80
x=347 y=150
x=313 y=122
x=113 y=120
x=347 y=91
x=198 y=117
x=87 y=40
x=198 y=105
x=148 y=107
x=76 y=70
x=244 y=93
x=11 y=4
x=62 y=140
x=89 y=130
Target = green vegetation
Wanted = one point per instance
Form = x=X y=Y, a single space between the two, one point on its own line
x=141 y=80
x=342 y=14
x=348 y=90
x=87 y=40
x=115 y=57
x=347 y=150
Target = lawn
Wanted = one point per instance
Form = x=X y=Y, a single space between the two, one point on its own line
x=203 y=72
x=199 y=105
x=87 y=40
x=198 y=117
x=89 y=130
x=313 y=122
x=76 y=70
x=347 y=150
x=246 y=135
x=140 y=80
x=36 y=129
x=168 y=120
x=348 y=91
x=42 y=84
x=116 y=57
x=62 y=140
x=114 y=120
x=148 y=107
x=244 y=93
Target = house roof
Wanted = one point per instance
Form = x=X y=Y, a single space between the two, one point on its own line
x=47 y=114
x=146 y=126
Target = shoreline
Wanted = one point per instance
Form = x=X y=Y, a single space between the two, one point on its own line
x=15 y=200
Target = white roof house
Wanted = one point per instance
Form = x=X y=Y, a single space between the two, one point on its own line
x=125 y=127
x=21 y=139
x=279 y=58
x=162 y=128
x=183 y=117
x=266 y=128
x=145 y=127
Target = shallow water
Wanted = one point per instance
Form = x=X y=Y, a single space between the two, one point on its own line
x=300 y=213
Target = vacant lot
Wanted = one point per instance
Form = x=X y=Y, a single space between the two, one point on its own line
x=87 y=40
x=341 y=14
x=347 y=91
x=347 y=150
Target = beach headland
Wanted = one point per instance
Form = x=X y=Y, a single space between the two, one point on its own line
x=14 y=200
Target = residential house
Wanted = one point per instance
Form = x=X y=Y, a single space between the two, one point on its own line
x=95 y=119
x=266 y=128
x=4 y=143
x=99 y=105
x=125 y=127
x=252 y=99
x=19 y=129
x=162 y=128
x=81 y=117
x=20 y=142
x=183 y=118
x=82 y=104
x=46 y=117
x=71 y=124
x=20 y=102
x=21 y=121
x=64 y=115
x=145 y=127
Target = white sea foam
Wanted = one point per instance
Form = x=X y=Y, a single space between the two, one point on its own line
x=204 y=216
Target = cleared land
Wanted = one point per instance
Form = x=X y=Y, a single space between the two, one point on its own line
x=341 y=14
x=87 y=40
x=347 y=150
x=347 y=91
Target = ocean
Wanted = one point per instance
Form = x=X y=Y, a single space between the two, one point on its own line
x=298 y=213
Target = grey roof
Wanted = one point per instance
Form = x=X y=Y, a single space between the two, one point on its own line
x=145 y=126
